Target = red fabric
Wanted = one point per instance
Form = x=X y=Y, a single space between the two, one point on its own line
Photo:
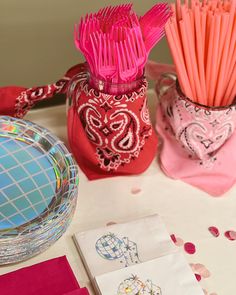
x=17 y=101
x=8 y=97
x=110 y=135
x=54 y=277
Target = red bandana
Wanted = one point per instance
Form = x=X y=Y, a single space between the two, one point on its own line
x=109 y=135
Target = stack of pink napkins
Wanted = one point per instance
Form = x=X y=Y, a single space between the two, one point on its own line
x=54 y=277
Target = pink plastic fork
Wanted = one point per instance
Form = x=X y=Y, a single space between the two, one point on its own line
x=94 y=43
x=82 y=33
x=153 y=38
x=110 y=11
x=152 y=16
x=152 y=24
x=136 y=44
x=126 y=62
x=107 y=59
x=110 y=15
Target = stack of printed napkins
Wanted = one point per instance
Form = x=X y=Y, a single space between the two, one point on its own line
x=133 y=258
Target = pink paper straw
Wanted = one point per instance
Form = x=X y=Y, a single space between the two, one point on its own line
x=231 y=89
x=231 y=81
x=207 y=36
x=187 y=57
x=214 y=57
x=203 y=28
x=178 y=9
x=176 y=50
x=189 y=29
x=200 y=55
x=209 y=59
x=223 y=33
x=231 y=49
x=222 y=71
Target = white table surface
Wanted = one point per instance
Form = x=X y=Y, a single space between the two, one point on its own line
x=186 y=211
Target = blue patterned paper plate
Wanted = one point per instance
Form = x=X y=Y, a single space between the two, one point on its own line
x=38 y=189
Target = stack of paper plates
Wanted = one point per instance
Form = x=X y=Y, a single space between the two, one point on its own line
x=38 y=189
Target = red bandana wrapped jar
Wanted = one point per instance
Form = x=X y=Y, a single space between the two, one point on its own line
x=109 y=134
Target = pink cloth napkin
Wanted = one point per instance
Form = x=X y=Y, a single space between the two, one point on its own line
x=54 y=277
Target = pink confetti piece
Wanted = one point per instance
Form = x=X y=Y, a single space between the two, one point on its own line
x=198 y=266
x=198 y=277
x=189 y=248
x=205 y=273
x=230 y=235
x=214 y=231
x=179 y=242
x=111 y=223
x=173 y=238
x=135 y=190
x=201 y=270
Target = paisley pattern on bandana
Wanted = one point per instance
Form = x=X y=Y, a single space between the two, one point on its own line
x=27 y=99
x=200 y=130
x=109 y=135
x=116 y=125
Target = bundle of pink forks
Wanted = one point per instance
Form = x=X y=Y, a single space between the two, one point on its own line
x=116 y=42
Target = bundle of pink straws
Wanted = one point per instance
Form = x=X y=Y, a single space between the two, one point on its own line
x=202 y=40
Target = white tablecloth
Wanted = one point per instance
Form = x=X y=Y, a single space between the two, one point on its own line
x=186 y=211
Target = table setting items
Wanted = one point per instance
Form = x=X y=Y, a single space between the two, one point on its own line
x=54 y=277
x=116 y=43
x=196 y=115
x=38 y=189
x=109 y=128
x=136 y=256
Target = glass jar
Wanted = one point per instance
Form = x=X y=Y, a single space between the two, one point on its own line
x=115 y=88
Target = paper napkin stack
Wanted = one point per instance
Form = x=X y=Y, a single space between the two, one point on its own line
x=137 y=257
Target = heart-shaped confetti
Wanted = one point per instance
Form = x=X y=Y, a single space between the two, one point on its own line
x=230 y=235
x=189 y=248
x=214 y=231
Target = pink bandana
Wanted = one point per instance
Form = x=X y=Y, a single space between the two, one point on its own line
x=198 y=142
